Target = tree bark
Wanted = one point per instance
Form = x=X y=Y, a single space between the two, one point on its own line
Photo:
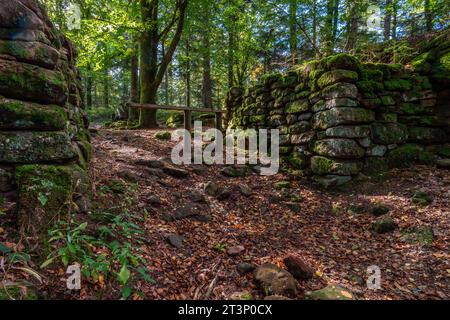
x=152 y=70
x=352 y=25
x=89 y=86
x=106 y=89
x=134 y=85
x=206 y=81
x=293 y=34
x=388 y=20
x=329 y=27
x=428 y=16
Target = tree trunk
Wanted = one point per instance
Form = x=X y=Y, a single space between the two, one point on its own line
x=206 y=81
x=188 y=74
x=314 y=26
x=387 y=21
x=106 y=89
x=134 y=85
x=329 y=27
x=428 y=16
x=394 y=19
x=335 y=21
x=293 y=41
x=152 y=70
x=89 y=86
x=352 y=25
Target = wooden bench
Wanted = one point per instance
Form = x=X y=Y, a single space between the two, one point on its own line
x=187 y=112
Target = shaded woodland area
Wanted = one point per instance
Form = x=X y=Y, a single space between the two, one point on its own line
x=358 y=90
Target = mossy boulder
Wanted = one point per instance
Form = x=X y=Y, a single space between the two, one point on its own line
x=19 y=115
x=335 y=76
x=408 y=154
x=338 y=148
x=46 y=194
x=422 y=198
x=322 y=165
x=370 y=86
x=334 y=103
x=332 y=292
x=389 y=133
x=384 y=225
x=342 y=116
x=36 y=53
x=273 y=280
x=33 y=147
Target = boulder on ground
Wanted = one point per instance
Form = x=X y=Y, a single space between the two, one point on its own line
x=275 y=281
x=298 y=267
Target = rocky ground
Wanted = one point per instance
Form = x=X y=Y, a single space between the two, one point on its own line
x=204 y=231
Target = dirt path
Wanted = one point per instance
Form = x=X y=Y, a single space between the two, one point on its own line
x=339 y=245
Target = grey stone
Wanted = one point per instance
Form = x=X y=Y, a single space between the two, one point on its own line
x=340 y=90
x=175 y=240
x=275 y=281
x=338 y=148
x=376 y=151
x=348 y=132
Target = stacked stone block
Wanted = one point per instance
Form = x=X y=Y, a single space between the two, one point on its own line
x=44 y=140
x=338 y=117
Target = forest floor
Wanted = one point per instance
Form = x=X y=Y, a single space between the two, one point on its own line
x=318 y=225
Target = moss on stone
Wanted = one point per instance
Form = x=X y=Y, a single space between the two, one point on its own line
x=298 y=106
x=341 y=61
x=370 y=86
x=46 y=192
x=397 y=84
x=409 y=154
x=338 y=75
x=18 y=115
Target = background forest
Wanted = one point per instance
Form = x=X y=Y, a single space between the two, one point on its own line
x=202 y=48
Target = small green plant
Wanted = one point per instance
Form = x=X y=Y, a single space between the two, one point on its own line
x=220 y=247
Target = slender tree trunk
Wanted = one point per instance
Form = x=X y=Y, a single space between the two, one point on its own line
x=89 y=86
x=230 y=66
x=352 y=25
x=188 y=74
x=134 y=85
x=166 y=78
x=314 y=26
x=388 y=20
x=335 y=21
x=293 y=40
x=394 y=19
x=106 y=89
x=329 y=27
x=428 y=16
x=206 y=61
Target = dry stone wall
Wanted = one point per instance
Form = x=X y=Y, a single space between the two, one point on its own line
x=44 y=140
x=338 y=117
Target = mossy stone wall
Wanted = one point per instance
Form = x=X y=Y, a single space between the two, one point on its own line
x=339 y=117
x=44 y=140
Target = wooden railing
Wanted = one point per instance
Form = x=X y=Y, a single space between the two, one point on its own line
x=187 y=112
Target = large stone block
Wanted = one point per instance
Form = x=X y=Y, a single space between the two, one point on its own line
x=348 y=132
x=19 y=115
x=340 y=90
x=426 y=135
x=298 y=106
x=339 y=116
x=334 y=103
x=32 y=83
x=338 y=148
x=335 y=76
x=389 y=133
x=323 y=165
x=35 y=147
x=36 y=53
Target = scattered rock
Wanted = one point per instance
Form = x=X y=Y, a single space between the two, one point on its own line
x=331 y=181
x=212 y=189
x=233 y=172
x=241 y=296
x=443 y=163
x=196 y=196
x=154 y=200
x=199 y=170
x=155 y=172
x=155 y=164
x=355 y=209
x=244 y=267
x=282 y=185
x=175 y=240
x=422 y=198
x=276 y=298
x=235 y=251
x=423 y=235
x=330 y=293
x=129 y=176
x=298 y=267
x=191 y=210
x=176 y=172
x=84 y=204
x=245 y=190
x=275 y=199
x=380 y=210
x=293 y=206
x=163 y=135
x=224 y=195
x=275 y=281
x=384 y=225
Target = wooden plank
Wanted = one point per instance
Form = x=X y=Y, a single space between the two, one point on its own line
x=174 y=108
